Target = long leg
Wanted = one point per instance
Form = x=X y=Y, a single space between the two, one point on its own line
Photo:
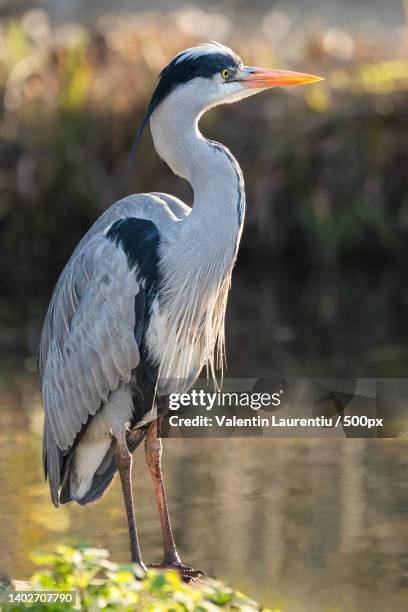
x=123 y=460
x=153 y=452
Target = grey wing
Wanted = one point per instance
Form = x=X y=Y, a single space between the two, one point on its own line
x=88 y=344
x=177 y=206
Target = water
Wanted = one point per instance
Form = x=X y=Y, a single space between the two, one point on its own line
x=302 y=524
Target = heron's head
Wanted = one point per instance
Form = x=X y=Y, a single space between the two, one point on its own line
x=209 y=74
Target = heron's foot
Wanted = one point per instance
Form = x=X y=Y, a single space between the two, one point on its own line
x=189 y=574
x=140 y=568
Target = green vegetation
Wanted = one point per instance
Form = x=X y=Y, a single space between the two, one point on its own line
x=325 y=165
x=102 y=584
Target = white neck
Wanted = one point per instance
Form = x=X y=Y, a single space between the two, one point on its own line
x=197 y=268
x=210 y=168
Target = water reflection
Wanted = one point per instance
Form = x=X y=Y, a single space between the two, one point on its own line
x=284 y=320
x=303 y=524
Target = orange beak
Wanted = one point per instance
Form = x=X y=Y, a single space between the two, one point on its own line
x=259 y=78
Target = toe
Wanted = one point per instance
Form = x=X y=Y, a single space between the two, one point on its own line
x=187 y=573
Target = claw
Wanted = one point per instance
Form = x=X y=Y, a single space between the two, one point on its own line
x=189 y=574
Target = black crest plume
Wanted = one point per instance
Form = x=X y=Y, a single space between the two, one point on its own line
x=202 y=61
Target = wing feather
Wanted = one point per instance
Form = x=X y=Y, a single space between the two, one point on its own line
x=88 y=344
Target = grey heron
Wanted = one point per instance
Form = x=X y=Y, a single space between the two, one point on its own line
x=141 y=302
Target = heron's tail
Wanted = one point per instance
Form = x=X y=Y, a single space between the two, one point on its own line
x=101 y=478
x=52 y=462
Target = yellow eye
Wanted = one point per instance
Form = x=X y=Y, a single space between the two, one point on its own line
x=225 y=73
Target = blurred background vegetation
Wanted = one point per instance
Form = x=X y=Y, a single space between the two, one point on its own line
x=320 y=288
x=326 y=167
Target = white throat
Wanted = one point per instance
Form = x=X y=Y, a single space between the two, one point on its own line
x=209 y=167
x=203 y=255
